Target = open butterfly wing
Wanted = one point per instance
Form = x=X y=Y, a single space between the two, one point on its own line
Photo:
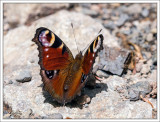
x=55 y=59
x=91 y=53
x=51 y=49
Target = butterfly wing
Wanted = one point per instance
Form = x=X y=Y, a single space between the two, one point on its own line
x=55 y=59
x=91 y=53
x=81 y=73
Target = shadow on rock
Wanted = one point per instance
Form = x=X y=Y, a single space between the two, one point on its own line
x=87 y=90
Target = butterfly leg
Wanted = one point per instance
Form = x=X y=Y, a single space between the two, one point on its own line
x=98 y=78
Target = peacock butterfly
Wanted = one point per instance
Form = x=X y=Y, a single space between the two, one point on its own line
x=62 y=74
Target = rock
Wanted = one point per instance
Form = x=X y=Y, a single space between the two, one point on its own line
x=17 y=16
x=84 y=99
x=140 y=88
x=111 y=99
x=145 y=12
x=24 y=76
x=122 y=19
x=134 y=9
x=53 y=116
x=134 y=95
x=29 y=95
x=139 y=66
x=6 y=116
x=102 y=73
x=92 y=13
x=10 y=82
x=115 y=82
x=13 y=15
x=43 y=10
x=152 y=76
x=5 y=112
x=85 y=5
x=95 y=7
x=110 y=25
x=149 y=37
x=148 y=55
x=113 y=60
x=145 y=69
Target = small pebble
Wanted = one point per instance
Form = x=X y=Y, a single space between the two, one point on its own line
x=149 y=37
x=53 y=116
x=7 y=116
x=123 y=18
x=84 y=99
x=24 y=76
x=10 y=82
x=145 y=12
x=145 y=69
x=141 y=87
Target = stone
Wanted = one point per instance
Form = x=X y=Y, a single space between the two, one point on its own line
x=134 y=9
x=145 y=69
x=84 y=99
x=122 y=19
x=13 y=15
x=102 y=73
x=24 y=76
x=108 y=101
x=140 y=88
x=115 y=82
x=53 y=116
x=149 y=37
x=145 y=12
x=92 y=13
x=6 y=116
x=113 y=59
x=152 y=76
x=110 y=25
x=29 y=95
x=139 y=66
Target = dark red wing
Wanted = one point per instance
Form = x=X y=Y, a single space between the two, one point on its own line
x=55 y=61
x=53 y=53
x=91 y=53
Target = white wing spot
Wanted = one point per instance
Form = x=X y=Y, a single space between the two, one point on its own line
x=95 y=50
x=93 y=55
x=55 y=71
x=46 y=49
x=90 y=61
x=47 y=56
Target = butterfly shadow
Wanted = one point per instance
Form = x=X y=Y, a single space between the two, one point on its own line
x=88 y=90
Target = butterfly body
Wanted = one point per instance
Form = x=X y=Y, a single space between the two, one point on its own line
x=63 y=76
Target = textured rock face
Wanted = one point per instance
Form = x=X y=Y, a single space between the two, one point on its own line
x=21 y=54
x=110 y=98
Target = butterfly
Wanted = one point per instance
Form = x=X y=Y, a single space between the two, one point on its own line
x=63 y=75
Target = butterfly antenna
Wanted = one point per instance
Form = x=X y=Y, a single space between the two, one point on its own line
x=91 y=41
x=74 y=36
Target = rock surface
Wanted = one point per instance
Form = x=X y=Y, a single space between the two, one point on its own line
x=113 y=96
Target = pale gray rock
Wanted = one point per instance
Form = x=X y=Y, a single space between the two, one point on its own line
x=53 y=116
x=149 y=37
x=140 y=88
x=20 y=53
x=24 y=76
x=90 y=12
x=134 y=9
x=27 y=99
x=145 y=12
x=115 y=82
x=19 y=16
x=112 y=60
x=122 y=19
x=145 y=68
